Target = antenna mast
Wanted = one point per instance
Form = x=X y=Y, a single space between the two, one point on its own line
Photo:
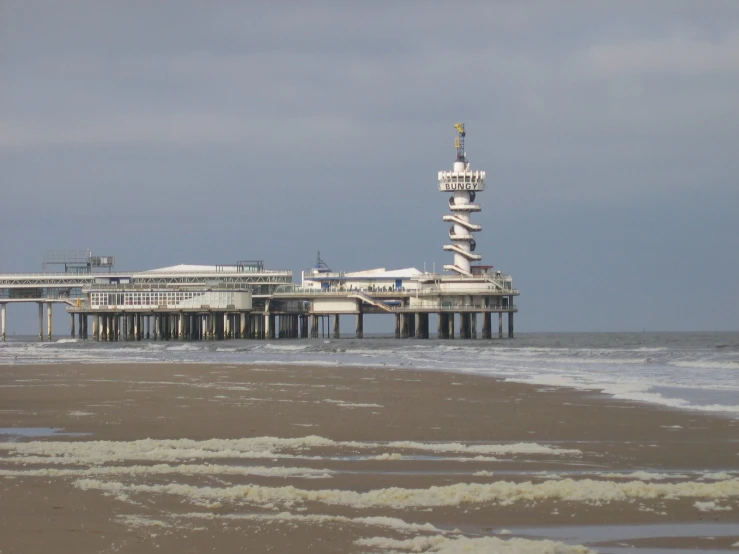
x=459 y=142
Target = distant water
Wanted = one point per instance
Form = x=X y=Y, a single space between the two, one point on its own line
x=698 y=371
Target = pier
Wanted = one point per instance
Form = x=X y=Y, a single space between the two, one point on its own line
x=251 y=302
x=244 y=300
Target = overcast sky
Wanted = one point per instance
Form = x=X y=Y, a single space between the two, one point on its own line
x=207 y=132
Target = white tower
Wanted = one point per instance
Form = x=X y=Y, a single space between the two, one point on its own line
x=464 y=186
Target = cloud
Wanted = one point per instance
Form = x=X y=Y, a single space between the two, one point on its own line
x=678 y=54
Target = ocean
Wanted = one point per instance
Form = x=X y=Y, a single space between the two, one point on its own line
x=691 y=371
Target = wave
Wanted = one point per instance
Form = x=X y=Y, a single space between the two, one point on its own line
x=707 y=364
x=286 y=347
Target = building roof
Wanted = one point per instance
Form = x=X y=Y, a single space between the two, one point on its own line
x=382 y=273
x=185 y=268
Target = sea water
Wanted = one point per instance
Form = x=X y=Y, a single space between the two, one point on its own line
x=694 y=371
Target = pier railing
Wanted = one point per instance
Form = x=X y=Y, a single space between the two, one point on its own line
x=392 y=292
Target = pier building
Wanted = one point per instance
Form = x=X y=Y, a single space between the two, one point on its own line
x=246 y=300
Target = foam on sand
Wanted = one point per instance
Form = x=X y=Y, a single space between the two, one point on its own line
x=259 y=447
x=711 y=506
x=320 y=519
x=483 y=545
x=164 y=469
x=502 y=493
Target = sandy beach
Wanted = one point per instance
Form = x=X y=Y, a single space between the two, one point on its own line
x=232 y=458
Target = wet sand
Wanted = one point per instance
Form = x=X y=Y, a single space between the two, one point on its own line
x=340 y=459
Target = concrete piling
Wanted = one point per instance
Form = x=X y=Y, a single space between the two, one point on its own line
x=41 y=321
x=48 y=321
x=486 y=321
x=510 y=325
x=359 y=331
x=337 y=331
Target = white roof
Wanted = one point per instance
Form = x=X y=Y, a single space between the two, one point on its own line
x=382 y=273
x=185 y=268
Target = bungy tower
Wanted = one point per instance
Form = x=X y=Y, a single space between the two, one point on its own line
x=463 y=185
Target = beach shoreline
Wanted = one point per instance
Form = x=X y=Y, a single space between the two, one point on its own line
x=479 y=454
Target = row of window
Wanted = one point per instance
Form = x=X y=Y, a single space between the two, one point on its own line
x=140 y=298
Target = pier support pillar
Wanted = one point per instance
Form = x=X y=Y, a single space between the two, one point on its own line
x=72 y=333
x=510 y=325
x=411 y=325
x=242 y=325
x=441 y=325
x=181 y=326
x=404 y=325
x=41 y=321
x=473 y=325
x=314 y=326
x=3 y=313
x=96 y=327
x=83 y=319
x=500 y=325
x=360 y=325
x=464 y=325
x=48 y=320
x=486 y=321
x=422 y=326
x=269 y=323
x=397 y=325
x=337 y=329
x=450 y=325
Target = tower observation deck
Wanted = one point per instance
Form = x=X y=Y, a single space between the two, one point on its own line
x=463 y=185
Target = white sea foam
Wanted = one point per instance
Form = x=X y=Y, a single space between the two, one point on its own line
x=343 y=404
x=711 y=506
x=502 y=493
x=376 y=521
x=716 y=476
x=646 y=476
x=78 y=413
x=133 y=520
x=707 y=364
x=466 y=545
x=500 y=449
x=165 y=469
x=285 y=347
x=168 y=450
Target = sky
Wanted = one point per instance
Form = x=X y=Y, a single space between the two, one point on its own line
x=208 y=132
